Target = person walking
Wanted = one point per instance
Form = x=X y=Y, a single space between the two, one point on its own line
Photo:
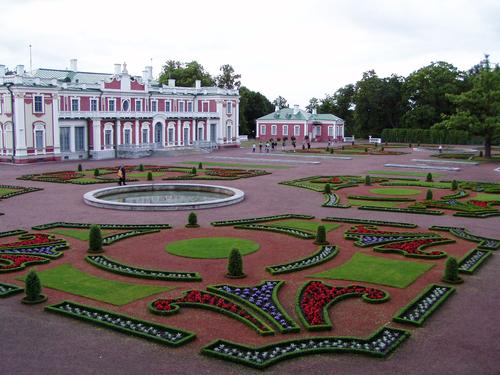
x=253 y=148
x=260 y=146
x=121 y=175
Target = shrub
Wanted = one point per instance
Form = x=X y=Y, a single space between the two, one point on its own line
x=480 y=154
x=454 y=185
x=96 y=172
x=429 y=177
x=451 y=271
x=235 y=264
x=428 y=195
x=193 y=171
x=150 y=176
x=342 y=147
x=33 y=287
x=368 y=180
x=328 y=189
x=331 y=150
x=366 y=149
x=382 y=149
x=95 y=239
x=141 y=167
x=192 y=221
x=200 y=166
x=80 y=168
x=321 y=236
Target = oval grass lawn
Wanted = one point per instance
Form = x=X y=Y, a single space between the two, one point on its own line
x=395 y=191
x=211 y=247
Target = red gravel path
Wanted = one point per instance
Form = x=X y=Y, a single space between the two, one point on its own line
x=461 y=338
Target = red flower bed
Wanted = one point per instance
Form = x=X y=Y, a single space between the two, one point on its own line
x=206 y=299
x=18 y=261
x=361 y=229
x=64 y=175
x=413 y=247
x=316 y=296
x=34 y=239
x=482 y=204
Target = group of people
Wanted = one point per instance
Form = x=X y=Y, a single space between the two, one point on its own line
x=272 y=145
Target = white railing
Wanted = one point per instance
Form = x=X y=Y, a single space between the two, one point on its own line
x=135 y=114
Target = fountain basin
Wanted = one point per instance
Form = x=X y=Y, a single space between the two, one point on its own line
x=163 y=197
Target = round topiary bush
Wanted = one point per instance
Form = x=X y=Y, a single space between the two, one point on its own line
x=368 y=180
x=80 y=168
x=321 y=236
x=429 y=177
x=96 y=172
x=150 y=176
x=428 y=195
x=192 y=221
x=141 y=167
x=235 y=265
x=33 y=289
x=328 y=189
x=451 y=272
x=95 y=239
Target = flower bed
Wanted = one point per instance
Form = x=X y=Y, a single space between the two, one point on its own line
x=405 y=210
x=15 y=232
x=263 y=298
x=121 y=236
x=283 y=230
x=35 y=244
x=11 y=262
x=149 y=330
x=369 y=235
x=18 y=190
x=9 y=289
x=62 y=224
x=333 y=200
x=324 y=254
x=207 y=300
x=381 y=199
x=472 y=260
x=112 y=265
x=315 y=297
x=457 y=195
x=485 y=243
x=414 y=248
x=419 y=309
x=369 y=222
x=259 y=219
x=380 y=344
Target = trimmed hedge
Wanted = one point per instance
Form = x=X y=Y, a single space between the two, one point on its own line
x=125 y=324
x=322 y=255
x=20 y=190
x=485 y=243
x=370 y=222
x=422 y=307
x=7 y=290
x=62 y=224
x=15 y=232
x=405 y=210
x=283 y=230
x=108 y=240
x=417 y=252
x=434 y=136
x=114 y=266
x=259 y=219
x=333 y=200
x=379 y=344
x=381 y=199
x=473 y=260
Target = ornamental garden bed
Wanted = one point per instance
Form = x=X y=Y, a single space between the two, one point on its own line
x=144 y=286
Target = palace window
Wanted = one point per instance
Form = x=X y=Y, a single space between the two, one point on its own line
x=330 y=131
x=190 y=106
x=107 y=137
x=167 y=106
x=39 y=139
x=285 y=129
x=111 y=105
x=145 y=135
x=38 y=104
x=229 y=107
x=93 y=105
x=274 y=130
x=181 y=106
x=263 y=129
x=64 y=136
x=154 y=106
x=125 y=105
x=138 y=105
x=126 y=136
x=75 y=105
x=296 y=130
x=79 y=138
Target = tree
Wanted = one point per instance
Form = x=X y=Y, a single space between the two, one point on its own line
x=95 y=239
x=227 y=79
x=192 y=221
x=252 y=106
x=235 y=264
x=451 y=271
x=313 y=104
x=340 y=104
x=320 y=235
x=280 y=102
x=33 y=289
x=185 y=74
x=425 y=93
x=478 y=109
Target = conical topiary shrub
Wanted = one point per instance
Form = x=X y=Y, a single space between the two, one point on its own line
x=96 y=172
x=454 y=185
x=428 y=195
x=451 y=271
x=33 y=289
x=150 y=176
x=80 y=168
x=200 y=166
x=141 y=167
x=235 y=265
x=95 y=239
x=328 y=189
x=429 y=177
x=321 y=236
x=368 y=180
x=193 y=171
x=192 y=221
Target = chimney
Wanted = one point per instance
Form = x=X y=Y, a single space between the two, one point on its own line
x=197 y=84
x=73 y=63
x=276 y=108
x=118 y=68
x=295 y=109
x=19 y=70
x=171 y=82
x=314 y=111
x=2 y=70
x=150 y=72
x=145 y=75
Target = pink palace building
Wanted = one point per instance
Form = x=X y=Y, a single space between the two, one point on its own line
x=294 y=122
x=56 y=114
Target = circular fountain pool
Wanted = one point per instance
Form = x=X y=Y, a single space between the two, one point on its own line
x=159 y=197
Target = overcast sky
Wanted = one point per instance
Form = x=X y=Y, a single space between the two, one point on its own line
x=296 y=49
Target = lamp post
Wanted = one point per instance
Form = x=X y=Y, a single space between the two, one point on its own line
x=9 y=87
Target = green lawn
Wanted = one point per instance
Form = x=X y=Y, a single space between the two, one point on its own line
x=69 y=279
x=84 y=179
x=211 y=247
x=79 y=234
x=308 y=226
x=403 y=173
x=4 y=191
x=377 y=270
x=486 y=197
x=373 y=203
x=144 y=174
x=235 y=165
x=395 y=191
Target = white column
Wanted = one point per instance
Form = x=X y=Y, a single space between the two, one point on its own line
x=237 y=121
x=257 y=129
x=208 y=136
x=164 y=127
x=306 y=132
x=55 y=124
x=118 y=132
x=137 y=131
x=96 y=134
x=20 y=125
x=193 y=126
x=179 y=133
x=72 y=147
